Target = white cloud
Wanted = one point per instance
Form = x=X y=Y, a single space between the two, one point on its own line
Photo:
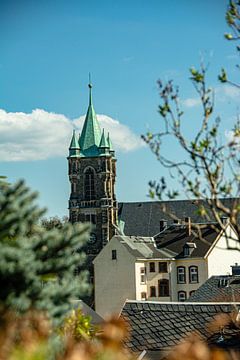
x=224 y=92
x=191 y=102
x=40 y=135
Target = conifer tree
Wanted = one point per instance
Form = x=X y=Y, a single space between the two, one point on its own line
x=37 y=265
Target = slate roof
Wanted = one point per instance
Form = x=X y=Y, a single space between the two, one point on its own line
x=143 y=218
x=176 y=236
x=158 y=326
x=144 y=247
x=218 y=289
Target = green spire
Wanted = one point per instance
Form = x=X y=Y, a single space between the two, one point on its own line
x=74 y=148
x=104 y=146
x=104 y=143
x=91 y=133
x=110 y=145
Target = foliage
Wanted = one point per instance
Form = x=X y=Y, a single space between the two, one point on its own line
x=78 y=326
x=36 y=265
x=27 y=338
x=53 y=222
x=209 y=170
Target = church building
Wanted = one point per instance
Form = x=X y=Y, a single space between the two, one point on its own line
x=92 y=173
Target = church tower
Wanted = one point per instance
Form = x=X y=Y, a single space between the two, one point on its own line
x=92 y=173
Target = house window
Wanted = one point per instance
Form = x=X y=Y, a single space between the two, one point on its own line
x=143 y=296
x=163 y=288
x=153 y=291
x=142 y=275
x=89 y=186
x=182 y=295
x=181 y=275
x=152 y=267
x=114 y=254
x=162 y=267
x=192 y=292
x=193 y=274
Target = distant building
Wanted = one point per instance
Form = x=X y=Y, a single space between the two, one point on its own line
x=169 y=268
x=92 y=173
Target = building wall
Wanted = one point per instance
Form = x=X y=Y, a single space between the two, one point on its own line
x=153 y=279
x=141 y=286
x=187 y=286
x=114 y=279
x=221 y=257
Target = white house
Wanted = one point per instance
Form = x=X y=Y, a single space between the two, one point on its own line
x=168 y=268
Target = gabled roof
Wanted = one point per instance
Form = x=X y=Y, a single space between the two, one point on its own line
x=143 y=218
x=143 y=247
x=218 y=289
x=158 y=326
x=175 y=237
x=91 y=133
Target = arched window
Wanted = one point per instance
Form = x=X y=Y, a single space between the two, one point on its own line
x=163 y=288
x=89 y=185
x=152 y=291
x=182 y=295
x=181 y=275
x=193 y=274
x=192 y=292
x=143 y=296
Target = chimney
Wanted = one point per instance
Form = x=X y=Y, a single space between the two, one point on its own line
x=163 y=224
x=176 y=221
x=188 y=225
x=224 y=219
x=235 y=269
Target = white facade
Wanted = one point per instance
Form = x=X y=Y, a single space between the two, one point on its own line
x=121 y=275
x=114 y=279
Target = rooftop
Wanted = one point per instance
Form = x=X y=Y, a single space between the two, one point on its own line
x=158 y=326
x=218 y=289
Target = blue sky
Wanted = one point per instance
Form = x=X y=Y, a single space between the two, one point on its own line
x=47 y=49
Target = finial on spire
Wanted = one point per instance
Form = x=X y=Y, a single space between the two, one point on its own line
x=90 y=89
x=89 y=81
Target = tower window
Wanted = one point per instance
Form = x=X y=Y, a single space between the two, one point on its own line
x=89 y=185
x=114 y=254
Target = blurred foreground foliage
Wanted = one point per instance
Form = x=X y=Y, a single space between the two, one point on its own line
x=37 y=265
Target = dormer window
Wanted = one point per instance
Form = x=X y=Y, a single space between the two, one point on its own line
x=188 y=248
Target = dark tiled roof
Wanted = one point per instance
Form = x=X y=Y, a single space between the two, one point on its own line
x=143 y=247
x=159 y=326
x=218 y=289
x=143 y=218
x=175 y=237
